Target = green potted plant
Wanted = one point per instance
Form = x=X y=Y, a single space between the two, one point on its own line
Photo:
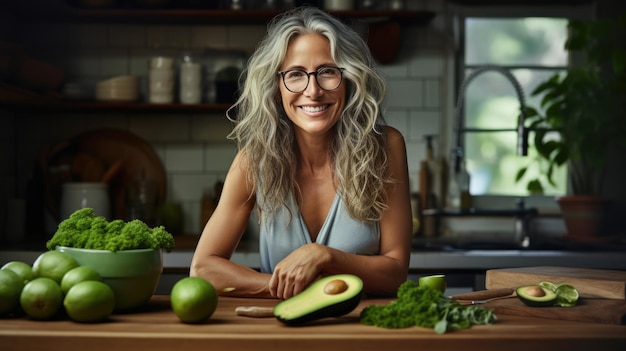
x=585 y=106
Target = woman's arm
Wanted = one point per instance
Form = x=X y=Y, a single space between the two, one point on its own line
x=381 y=274
x=220 y=237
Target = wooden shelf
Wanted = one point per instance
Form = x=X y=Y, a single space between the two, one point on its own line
x=114 y=106
x=15 y=98
x=61 y=11
x=245 y=17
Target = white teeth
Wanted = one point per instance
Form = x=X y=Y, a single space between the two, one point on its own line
x=314 y=108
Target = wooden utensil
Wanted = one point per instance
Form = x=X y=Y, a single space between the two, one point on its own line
x=112 y=171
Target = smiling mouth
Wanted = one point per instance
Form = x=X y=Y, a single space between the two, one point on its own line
x=314 y=108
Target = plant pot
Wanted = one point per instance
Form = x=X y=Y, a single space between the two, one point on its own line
x=583 y=216
x=133 y=275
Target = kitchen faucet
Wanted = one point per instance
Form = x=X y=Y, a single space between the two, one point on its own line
x=522 y=216
x=522 y=133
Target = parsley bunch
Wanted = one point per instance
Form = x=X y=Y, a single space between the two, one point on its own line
x=425 y=307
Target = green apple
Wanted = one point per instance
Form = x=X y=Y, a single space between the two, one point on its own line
x=437 y=282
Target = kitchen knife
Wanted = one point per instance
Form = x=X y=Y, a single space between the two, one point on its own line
x=483 y=295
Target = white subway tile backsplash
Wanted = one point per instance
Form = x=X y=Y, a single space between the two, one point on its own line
x=425 y=63
x=245 y=37
x=211 y=128
x=432 y=93
x=423 y=123
x=219 y=157
x=114 y=62
x=405 y=93
x=87 y=36
x=397 y=119
x=190 y=187
x=81 y=63
x=127 y=36
x=183 y=158
x=161 y=127
x=140 y=60
x=168 y=37
x=192 y=223
x=394 y=70
x=214 y=37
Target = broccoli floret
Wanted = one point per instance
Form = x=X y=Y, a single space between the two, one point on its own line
x=96 y=235
x=115 y=226
x=83 y=229
x=161 y=238
x=425 y=307
x=70 y=232
x=136 y=235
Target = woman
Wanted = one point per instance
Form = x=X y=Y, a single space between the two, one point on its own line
x=329 y=181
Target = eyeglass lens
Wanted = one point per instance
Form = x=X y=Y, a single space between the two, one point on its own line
x=297 y=80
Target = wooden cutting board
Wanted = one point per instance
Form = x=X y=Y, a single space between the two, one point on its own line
x=590 y=283
x=587 y=310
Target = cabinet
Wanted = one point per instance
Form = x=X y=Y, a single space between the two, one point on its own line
x=12 y=97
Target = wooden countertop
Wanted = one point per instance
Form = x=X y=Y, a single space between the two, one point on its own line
x=157 y=328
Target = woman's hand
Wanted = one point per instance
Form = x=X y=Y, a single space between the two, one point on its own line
x=297 y=271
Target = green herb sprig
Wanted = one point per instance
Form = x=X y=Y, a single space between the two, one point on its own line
x=425 y=307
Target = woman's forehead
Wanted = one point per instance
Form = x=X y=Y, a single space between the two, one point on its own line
x=308 y=50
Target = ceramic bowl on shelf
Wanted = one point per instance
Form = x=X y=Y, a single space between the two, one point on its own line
x=133 y=275
x=122 y=88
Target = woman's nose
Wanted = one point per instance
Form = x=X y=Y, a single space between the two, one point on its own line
x=313 y=89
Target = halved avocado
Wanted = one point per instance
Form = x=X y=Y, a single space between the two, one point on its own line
x=536 y=296
x=331 y=296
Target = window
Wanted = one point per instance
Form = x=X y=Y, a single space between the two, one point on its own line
x=530 y=46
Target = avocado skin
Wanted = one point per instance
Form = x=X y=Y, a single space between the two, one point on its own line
x=533 y=301
x=336 y=310
x=345 y=305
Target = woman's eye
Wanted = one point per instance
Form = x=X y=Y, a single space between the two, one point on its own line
x=295 y=74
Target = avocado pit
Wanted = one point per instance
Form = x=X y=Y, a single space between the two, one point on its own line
x=535 y=291
x=335 y=286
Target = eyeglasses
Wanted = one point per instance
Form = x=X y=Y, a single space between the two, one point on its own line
x=327 y=78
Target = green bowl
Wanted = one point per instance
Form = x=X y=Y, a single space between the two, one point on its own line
x=133 y=275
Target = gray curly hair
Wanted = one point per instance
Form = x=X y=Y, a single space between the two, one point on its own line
x=265 y=135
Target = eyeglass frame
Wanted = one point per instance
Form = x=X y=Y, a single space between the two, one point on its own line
x=308 y=77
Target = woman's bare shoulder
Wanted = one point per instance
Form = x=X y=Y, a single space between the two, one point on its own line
x=394 y=138
x=238 y=173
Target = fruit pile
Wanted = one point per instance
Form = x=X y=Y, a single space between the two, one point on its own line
x=55 y=283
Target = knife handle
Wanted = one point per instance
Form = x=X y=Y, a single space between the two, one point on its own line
x=484 y=294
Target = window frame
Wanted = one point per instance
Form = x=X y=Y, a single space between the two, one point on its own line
x=458 y=15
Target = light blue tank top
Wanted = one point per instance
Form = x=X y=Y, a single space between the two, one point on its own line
x=283 y=231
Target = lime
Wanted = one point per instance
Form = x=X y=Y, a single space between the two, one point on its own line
x=41 y=298
x=437 y=282
x=89 y=301
x=53 y=264
x=548 y=285
x=77 y=275
x=566 y=295
x=23 y=269
x=193 y=299
x=11 y=286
